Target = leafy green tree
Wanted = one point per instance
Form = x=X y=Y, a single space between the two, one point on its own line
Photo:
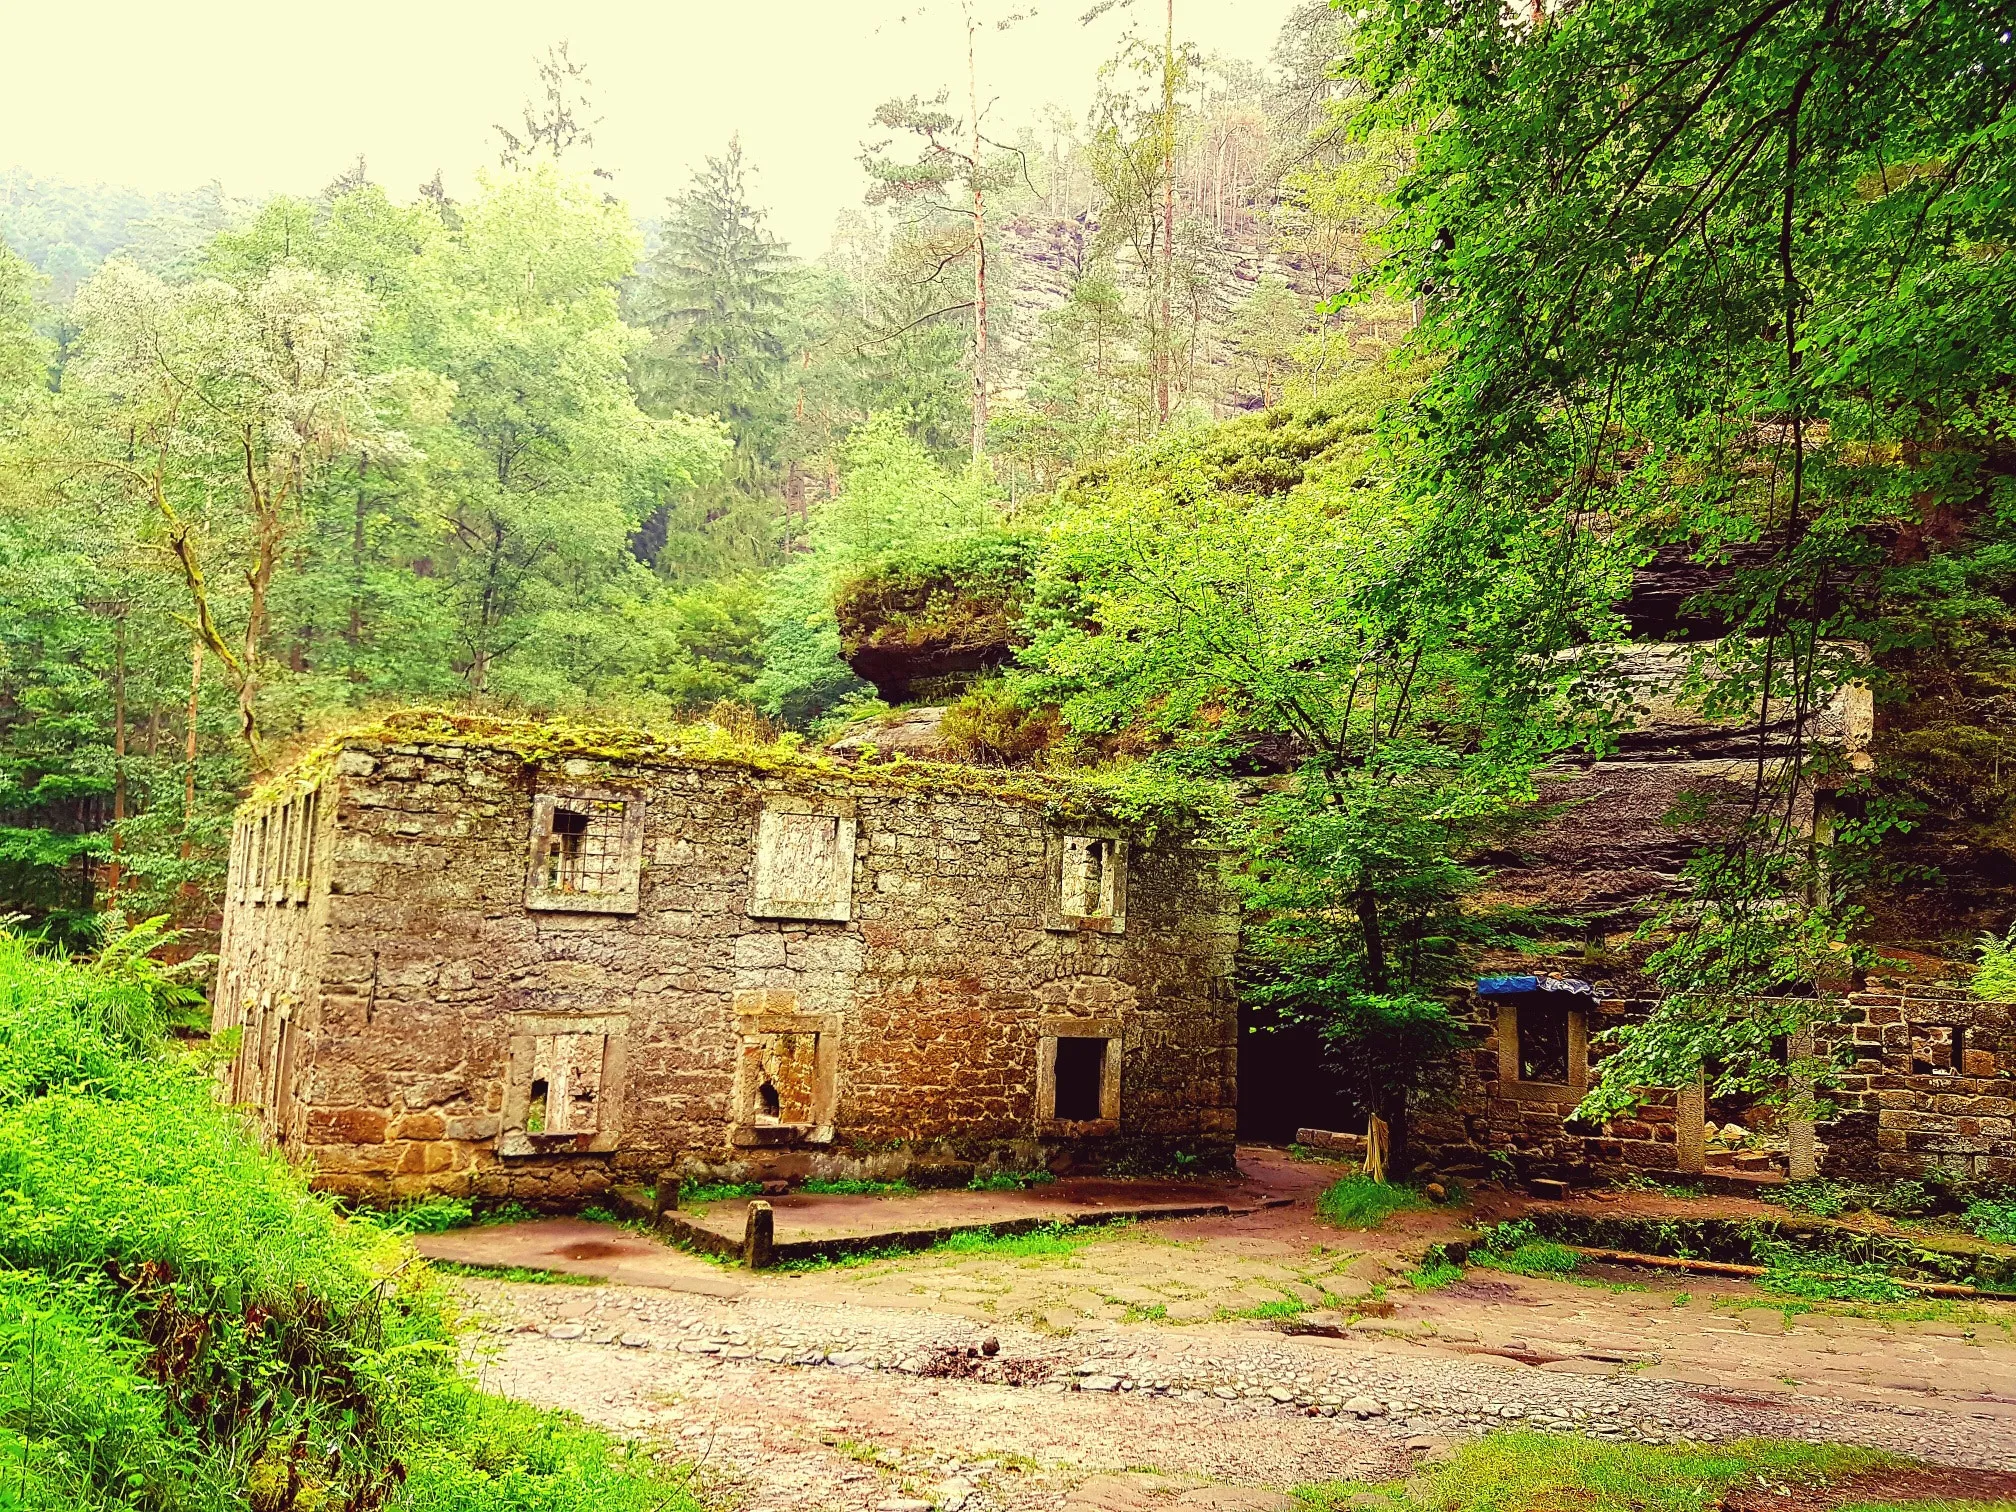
x=1731 y=276
x=1213 y=596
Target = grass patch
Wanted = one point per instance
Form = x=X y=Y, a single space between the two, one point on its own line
x=531 y=1273
x=1009 y=1181
x=1992 y=1220
x=1515 y=1472
x=1280 y=1307
x=851 y=1186
x=1810 y=1278
x=1358 y=1202
x=1434 y=1277
x=1517 y=1247
x=720 y=1191
x=1052 y=1240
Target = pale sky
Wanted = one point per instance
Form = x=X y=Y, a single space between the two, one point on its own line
x=168 y=94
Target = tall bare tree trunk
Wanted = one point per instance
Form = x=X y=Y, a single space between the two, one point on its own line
x=979 y=252
x=189 y=893
x=1165 y=353
x=112 y=876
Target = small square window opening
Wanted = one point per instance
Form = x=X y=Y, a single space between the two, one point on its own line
x=1543 y=1043
x=1080 y=1073
x=1088 y=877
x=584 y=849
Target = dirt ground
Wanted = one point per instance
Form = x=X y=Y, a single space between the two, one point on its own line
x=1149 y=1368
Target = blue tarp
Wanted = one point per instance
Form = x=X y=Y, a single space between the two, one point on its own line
x=1507 y=986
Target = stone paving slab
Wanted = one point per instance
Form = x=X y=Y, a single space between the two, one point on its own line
x=810 y=1216
x=578 y=1248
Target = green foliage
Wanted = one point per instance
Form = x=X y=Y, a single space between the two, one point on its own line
x=1717 y=293
x=431 y=1215
x=1358 y=1202
x=1791 y=1272
x=854 y=1186
x=1510 y=1472
x=1051 y=1241
x=229 y=1335
x=1516 y=1246
x=1009 y=1181
x=719 y=1191
x=1995 y=976
x=1428 y=1278
x=1827 y=1198
x=895 y=502
x=1992 y=1219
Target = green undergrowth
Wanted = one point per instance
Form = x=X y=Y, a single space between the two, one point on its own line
x=719 y=1191
x=1518 y=1248
x=853 y=1186
x=1009 y=1181
x=527 y=1273
x=1516 y=1472
x=183 y=1325
x=1358 y=1202
x=1992 y=1220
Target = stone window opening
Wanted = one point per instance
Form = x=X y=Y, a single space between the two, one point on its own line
x=1543 y=1048
x=1081 y=1067
x=1938 y=1049
x=1543 y=1044
x=786 y=1079
x=587 y=852
x=1088 y=883
x=1078 y=1078
x=563 y=1084
x=584 y=849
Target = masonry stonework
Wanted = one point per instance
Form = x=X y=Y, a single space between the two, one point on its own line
x=455 y=969
x=1922 y=1087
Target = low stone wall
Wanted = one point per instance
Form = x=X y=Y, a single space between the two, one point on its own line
x=1924 y=1089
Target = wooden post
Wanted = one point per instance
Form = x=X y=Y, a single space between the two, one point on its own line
x=1690 y=1115
x=1801 y=1157
x=759 y=1239
x=665 y=1196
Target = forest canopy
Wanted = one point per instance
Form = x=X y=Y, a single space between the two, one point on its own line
x=1294 y=437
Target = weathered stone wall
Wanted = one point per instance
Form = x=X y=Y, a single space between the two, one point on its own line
x=1909 y=1105
x=903 y=1035
x=1924 y=1089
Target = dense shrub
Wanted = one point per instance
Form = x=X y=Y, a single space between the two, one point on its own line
x=184 y=1325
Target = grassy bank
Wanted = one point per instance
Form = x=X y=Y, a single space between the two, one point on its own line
x=1517 y=1472
x=183 y=1325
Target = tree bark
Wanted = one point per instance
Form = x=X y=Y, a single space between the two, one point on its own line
x=979 y=250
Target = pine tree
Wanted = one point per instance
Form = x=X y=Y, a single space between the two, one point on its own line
x=719 y=289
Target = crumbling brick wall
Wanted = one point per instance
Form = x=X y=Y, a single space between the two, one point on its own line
x=1927 y=1087
x=1924 y=1089
x=449 y=1037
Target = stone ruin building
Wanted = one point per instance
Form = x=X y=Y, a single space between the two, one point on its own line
x=460 y=962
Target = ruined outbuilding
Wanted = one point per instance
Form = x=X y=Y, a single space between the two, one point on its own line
x=484 y=958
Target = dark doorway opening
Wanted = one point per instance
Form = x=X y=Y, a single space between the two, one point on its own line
x=1286 y=1083
x=1081 y=1071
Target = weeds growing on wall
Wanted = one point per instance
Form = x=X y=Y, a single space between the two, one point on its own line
x=183 y=1325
